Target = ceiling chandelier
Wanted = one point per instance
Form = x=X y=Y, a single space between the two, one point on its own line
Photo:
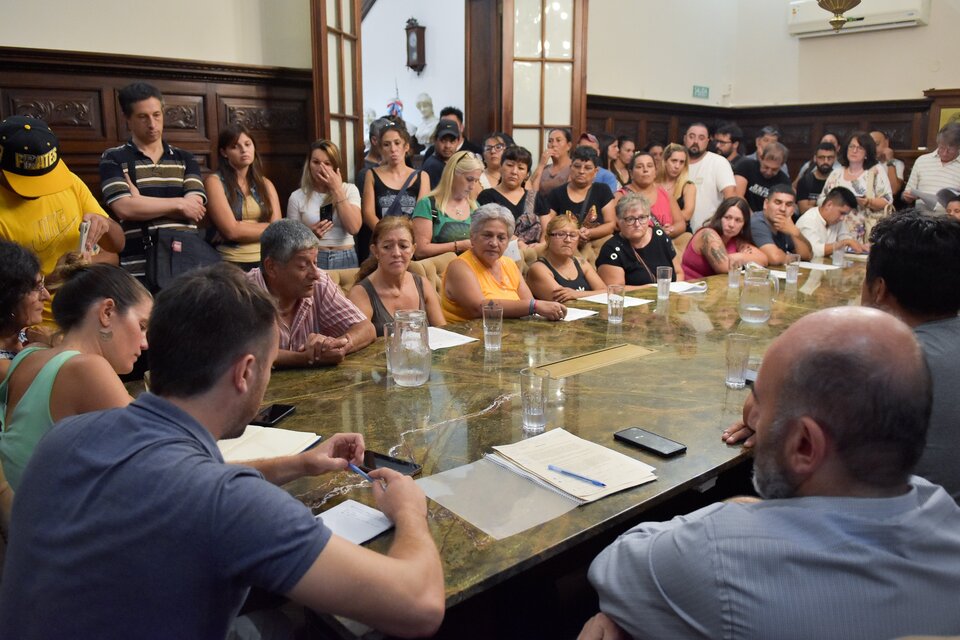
x=837 y=8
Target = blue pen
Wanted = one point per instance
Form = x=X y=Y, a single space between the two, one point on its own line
x=363 y=474
x=595 y=483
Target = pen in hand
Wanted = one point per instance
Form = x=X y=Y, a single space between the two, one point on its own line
x=579 y=477
x=363 y=474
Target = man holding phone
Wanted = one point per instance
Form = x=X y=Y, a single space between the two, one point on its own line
x=129 y=525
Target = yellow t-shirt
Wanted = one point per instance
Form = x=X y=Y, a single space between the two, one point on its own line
x=49 y=225
x=492 y=289
x=243 y=252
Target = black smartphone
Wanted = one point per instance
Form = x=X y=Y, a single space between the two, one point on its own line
x=326 y=212
x=649 y=441
x=273 y=414
x=373 y=460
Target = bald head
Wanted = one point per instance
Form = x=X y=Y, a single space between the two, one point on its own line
x=860 y=374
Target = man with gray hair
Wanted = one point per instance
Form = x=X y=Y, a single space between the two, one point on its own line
x=844 y=540
x=755 y=177
x=318 y=325
x=939 y=169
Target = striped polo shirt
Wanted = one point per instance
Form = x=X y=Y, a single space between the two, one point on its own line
x=929 y=175
x=174 y=175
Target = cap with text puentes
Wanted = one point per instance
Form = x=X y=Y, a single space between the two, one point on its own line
x=30 y=157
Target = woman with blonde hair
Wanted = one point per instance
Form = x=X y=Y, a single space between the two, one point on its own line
x=383 y=284
x=328 y=205
x=672 y=175
x=241 y=200
x=441 y=221
x=560 y=274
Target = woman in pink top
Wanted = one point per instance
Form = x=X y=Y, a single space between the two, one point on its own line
x=643 y=176
x=722 y=243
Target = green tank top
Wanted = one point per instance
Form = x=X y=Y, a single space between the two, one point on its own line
x=31 y=417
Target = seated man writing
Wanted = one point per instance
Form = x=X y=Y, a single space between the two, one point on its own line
x=773 y=229
x=128 y=524
x=823 y=226
x=318 y=325
x=845 y=541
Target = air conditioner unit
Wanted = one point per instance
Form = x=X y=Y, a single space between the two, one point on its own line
x=805 y=19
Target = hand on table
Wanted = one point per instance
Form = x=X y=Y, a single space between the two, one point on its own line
x=738 y=432
x=550 y=310
x=564 y=294
x=321 y=349
x=401 y=498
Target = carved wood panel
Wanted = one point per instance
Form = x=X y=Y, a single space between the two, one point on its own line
x=77 y=111
x=76 y=93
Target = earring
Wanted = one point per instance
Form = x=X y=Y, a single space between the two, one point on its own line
x=105 y=335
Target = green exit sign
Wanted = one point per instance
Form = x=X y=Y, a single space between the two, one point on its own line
x=701 y=92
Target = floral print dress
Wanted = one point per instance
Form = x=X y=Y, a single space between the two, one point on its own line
x=872 y=183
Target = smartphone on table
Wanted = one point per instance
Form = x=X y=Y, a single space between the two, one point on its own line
x=270 y=416
x=373 y=460
x=649 y=441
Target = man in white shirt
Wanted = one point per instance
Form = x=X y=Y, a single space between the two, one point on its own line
x=939 y=169
x=711 y=173
x=823 y=226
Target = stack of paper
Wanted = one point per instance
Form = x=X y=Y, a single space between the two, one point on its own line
x=355 y=521
x=688 y=287
x=601 y=298
x=561 y=449
x=443 y=339
x=265 y=442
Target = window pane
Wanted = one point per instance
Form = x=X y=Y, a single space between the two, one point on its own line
x=346 y=15
x=557 y=93
x=335 y=131
x=531 y=139
x=332 y=14
x=526 y=28
x=350 y=153
x=349 y=76
x=558 y=18
x=526 y=92
x=333 y=72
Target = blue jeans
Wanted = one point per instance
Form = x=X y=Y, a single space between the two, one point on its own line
x=337 y=259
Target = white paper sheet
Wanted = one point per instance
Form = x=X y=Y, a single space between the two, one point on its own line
x=780 y=274
x=815 y=266
x=578 y=314
x=355 y=521
x=257 y=443
x=601 y=298
x=698 y=286
x=443 y=339
x=563 y=449
x=494 y=500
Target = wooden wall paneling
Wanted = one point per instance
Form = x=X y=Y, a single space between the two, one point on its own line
x=907 y=121
x=484 y=43
x=941 y=99
x=77 y=94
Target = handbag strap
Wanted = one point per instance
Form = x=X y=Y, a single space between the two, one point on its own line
x=392 y=210
x=582 y=214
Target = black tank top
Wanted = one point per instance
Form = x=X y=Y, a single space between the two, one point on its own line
x=383 y=196
x=577 y=284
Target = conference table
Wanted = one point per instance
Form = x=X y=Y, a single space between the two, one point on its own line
x=471 y=403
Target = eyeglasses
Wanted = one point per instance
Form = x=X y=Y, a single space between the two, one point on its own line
x=635 y=220
x=494 y=147
x=565 y=235
x=854 y=147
